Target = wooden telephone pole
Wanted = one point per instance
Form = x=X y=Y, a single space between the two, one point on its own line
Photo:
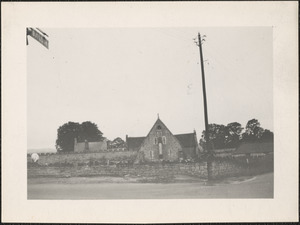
x=207 y=144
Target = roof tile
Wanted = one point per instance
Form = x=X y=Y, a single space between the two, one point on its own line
x=134 y=142
x=186 y=140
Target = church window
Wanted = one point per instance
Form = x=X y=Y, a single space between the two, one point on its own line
x=155 y=141
x=158 y=127
x=160 y=149
x=164 y=140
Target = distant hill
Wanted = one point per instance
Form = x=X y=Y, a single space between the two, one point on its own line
x=40 y=150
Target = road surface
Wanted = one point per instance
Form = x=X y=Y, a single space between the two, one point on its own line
x=260 y=186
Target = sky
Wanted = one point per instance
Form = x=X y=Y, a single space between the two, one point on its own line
x=121 y=78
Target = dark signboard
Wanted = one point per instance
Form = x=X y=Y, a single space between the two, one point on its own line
x=37 y=36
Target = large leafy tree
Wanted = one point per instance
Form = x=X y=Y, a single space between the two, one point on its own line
x=89 y=131
x=67 y=133
x=233 y=134
x=253 y=131
x=230 y=136
x=267 y=136
x=216 y=134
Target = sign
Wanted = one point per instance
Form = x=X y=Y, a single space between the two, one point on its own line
x=37 y=36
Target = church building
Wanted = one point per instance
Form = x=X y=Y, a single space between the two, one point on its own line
x=160 y=144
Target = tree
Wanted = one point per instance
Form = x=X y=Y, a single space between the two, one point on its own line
x=267 y=136
x=216 y=134
x=233 y=134
x=67 y=133
x=230 y=136
x=89 y=131
x=116 y=143
x=253 y=131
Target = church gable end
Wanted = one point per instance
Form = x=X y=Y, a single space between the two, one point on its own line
x=160 y=144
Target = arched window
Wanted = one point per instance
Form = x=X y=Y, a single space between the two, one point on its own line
x=160 y=150
x=164 y=140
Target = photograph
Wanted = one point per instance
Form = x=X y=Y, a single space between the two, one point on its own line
x=149 y=113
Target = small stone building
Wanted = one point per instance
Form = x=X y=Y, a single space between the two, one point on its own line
x=87 y=146
x=160 y=144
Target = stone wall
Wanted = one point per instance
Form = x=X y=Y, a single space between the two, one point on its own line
x=84 y=158
x=94 y=164
x=242 y=166
x=225 y=152
x=155 y=170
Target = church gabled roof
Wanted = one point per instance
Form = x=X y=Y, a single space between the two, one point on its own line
x=159 y=122
x=186 y=140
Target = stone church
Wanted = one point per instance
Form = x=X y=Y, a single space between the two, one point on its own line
x=160 y=144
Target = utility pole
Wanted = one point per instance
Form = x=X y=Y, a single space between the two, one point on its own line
x=207 y=144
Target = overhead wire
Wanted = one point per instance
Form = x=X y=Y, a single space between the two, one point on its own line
x=218 y=58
